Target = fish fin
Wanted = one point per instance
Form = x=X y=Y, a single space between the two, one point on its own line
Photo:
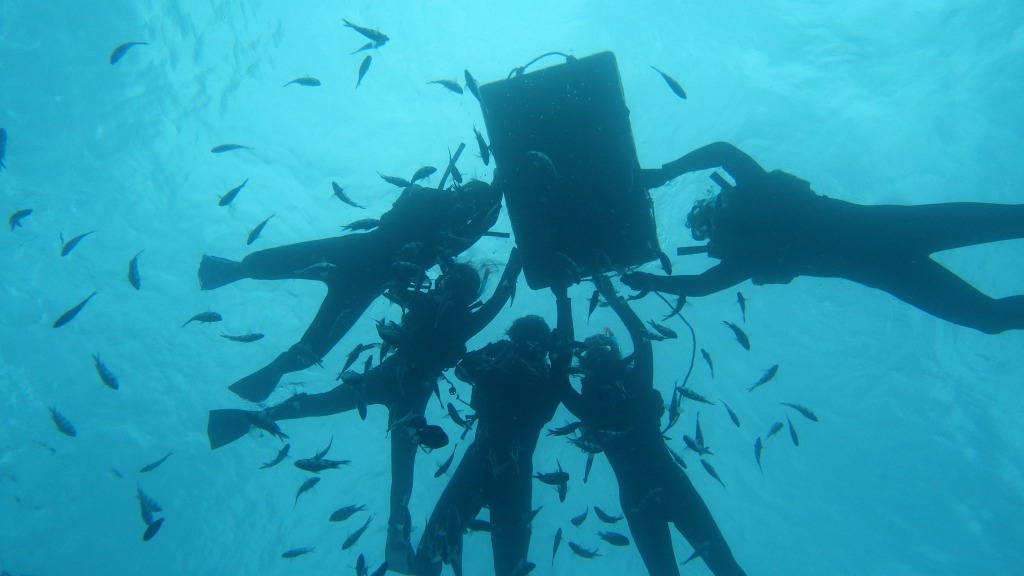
x=225 y=426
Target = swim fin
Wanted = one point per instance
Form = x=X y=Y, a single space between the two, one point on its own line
x=226 y=426
x=257 y=386
x=215 y=272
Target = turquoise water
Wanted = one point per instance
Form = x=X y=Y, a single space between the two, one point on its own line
x=915 y=467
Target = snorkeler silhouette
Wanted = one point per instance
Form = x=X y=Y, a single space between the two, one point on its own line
x=431 y=338
x=771 y=227
x=423 y=227
x=620 y=410
x=514 y=395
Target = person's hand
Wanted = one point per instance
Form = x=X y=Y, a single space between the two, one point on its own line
x=639 y=281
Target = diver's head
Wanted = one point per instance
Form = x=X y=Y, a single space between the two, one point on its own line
x=700 y=218
x=530 y=332
x=460 y=284
x=600 y=354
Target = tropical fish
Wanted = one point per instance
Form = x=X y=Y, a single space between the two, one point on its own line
x=804 y=411
x=663 y=330
x=354 y=355
x=676 y=88
x=381 y=570
x=613 y=538
x=121 y=50
x=221 y=148
x=255 y=232
x=106 y=376
x=485 y=151
x=422 y=173
x=595 y=298
x=563 y=491
x=245 y=338
x=281 y=454
x=395 y=180
x=354 y=537
x=673 y=409
x=205 y=317
x=741 y=336
x=70 y=314
x=363 y=68
x=579 y=518
x=361 y=565
x=775 y=429
x=133 y=272
x=147 y=506
x=679 y=459
x=443 y=468
x=479 y=525
x=304 y=81
x=70 y=244
x=346 y=512
x=375 y=36
x=732 y=415
x=319 y=464
x=153 y=465
x=3 y=146
x=230 y=195
x=680 y=302
x=711 y=470
x=743 y=305
x=62 y=423
x=296 y=552
x=583 y=552
x=339 y=192
x=758 y=447
x=768 y=375
x=589 y=465
x=687 y=393
x=306 y=487
x=15 y=219
x=697 y=447
x=152 y=529
x=362 y=224
x=472 y=86
x=553 y=478
x=666 y=264
x=606 y=517
x=792 y=432
x=449 y=84
x=554 y=549
x=707 y=358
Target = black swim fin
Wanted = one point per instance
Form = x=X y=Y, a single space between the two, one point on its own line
x=215 y=272
x=257 y=386
x=226 y=426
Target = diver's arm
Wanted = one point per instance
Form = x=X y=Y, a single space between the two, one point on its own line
x=736 y=162
x=561 y=357
x=506 y=287
x=714 y=279
x=643 y=354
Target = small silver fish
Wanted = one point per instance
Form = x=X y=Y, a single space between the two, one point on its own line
x=775 y=429
x=354 y=537
x=741 y=336
x=319 y=464
x=792 y=432
x=765 y=378
x=345 y=513
x=70 y=244
x=339 y=192
x=449 y=84
x=485 y=151
x=244 y=338
x=133 y=272
x=296 y=552
x=443 y=468
x=306 y=487
x=121 y=50
x=106 y=376
x=804 y=411
x=63 y=424
x=422 y=173
x=732 y=415
x=204 y=317
x=70 y=314
x=152 y=465
x=15 y=219
x=579 y=518
x=614 y=538
x=672 y=84
x=152 y=529
x=304 y=81
x=375 y=36
x=222 y=148
x=255 y=232
x=3 y=147
x=583 y=552
x=363 y=68
x=230 y=194
x=473 y=87
x=606 y=517
x=707 y=358
x=279 y=458
x=554 y=549
x=758 y=447
x=362 y=224
x=395 y=180
x=711 y=470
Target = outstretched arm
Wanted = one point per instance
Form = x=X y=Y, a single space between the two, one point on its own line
x=561 y=356
x=716 y=155
x=643 y=354
x=715 y=279
x=506 y=287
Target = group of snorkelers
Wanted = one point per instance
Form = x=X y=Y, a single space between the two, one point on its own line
x=768 y=227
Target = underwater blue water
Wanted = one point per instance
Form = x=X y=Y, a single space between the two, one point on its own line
x=915 y=467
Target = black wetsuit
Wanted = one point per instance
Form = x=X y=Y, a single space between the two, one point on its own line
x=771 y=227
x=513 y=398
x=620 y=411
x=423 y=226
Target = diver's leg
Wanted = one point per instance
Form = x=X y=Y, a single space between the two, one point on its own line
x=311 y=260
x=511 y=501
x=653 y=541
x=341 y=398
x=694 y=521
x=931 y=228
x=398 y=549
x=932 y=288
x=459 y=503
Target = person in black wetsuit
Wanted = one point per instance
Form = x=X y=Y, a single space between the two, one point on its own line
x=771 y=227
x=620 y=413
x=423 y=227
x=514 y=396
x=430 y=339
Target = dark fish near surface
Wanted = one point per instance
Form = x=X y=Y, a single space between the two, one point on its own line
x=707 y=358
x=255 y=232
x=741 y=336
x=339 y=192
x=479 y=525
x=244 y=337
x=279 y=458
x=711 y=470
x=70 y=244
x=205 y=317
x=687 y=393
x=70 y=314
x=743 y=305
x=595 y=298
x=15 y=219
x=454 y=415
x=230 y=195
x=362 y=224
x=324 y=452
x=663 y=330
x=3 y=147
x=553 y=478
x=306 y=487
x=443 y=468
x=133 y=272
x=423 y=172
x=485 y=151
x=589 y=465
x=381 y=570
x=579 y=518
x=564 y=430
x=106 y=376
x=563 y=491
x=472 y=86
x=346 y=512
x=121 y=50
x=449 y=84
x=732 y=415
x=606 y=517
x=153 y=465
x=296 y=552
x=775 y=429
x=673 y=409
x=221 y=148
x=354 y=537
x=768 y=375
x=676 y=88
x=319 y=464
x=363 y=68
x=666 y=264
x=554 y=549
x=152 y=529
x=803 y=410
x=304 y=81
x=361 y=565
x=147 y=506
x=697 y=447
x=583 y=552
x=62 y=423
x=792 y=432
x=395 y=180
x=354 y=355
x=375 y=36
x=613 y=538
x=758 y=447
